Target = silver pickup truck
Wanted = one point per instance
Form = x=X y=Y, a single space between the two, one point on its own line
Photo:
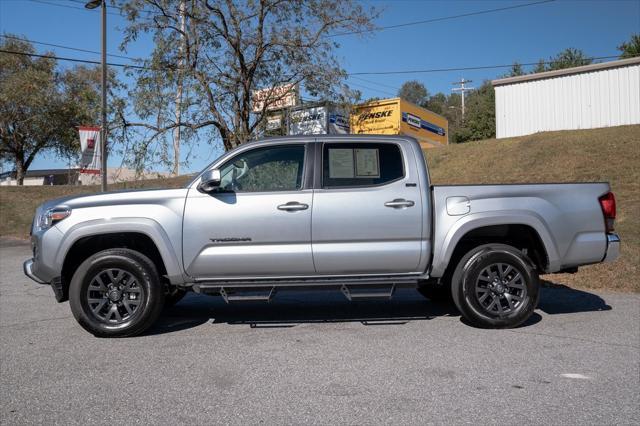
x=355 y=214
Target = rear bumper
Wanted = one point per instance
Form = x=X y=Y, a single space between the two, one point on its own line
x=613 y=248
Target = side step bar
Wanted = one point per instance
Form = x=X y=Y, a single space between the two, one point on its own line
x=385 y=292
x=251 y=295
x=352 y=292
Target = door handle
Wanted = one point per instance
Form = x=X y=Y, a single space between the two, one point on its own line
x=293 y=206
x=399 y=203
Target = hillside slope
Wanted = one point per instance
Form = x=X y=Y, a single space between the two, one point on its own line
x=611 y=154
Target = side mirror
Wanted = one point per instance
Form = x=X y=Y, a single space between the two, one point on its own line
x=209 y=181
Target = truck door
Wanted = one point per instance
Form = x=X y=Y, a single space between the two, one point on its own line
x=367 y=213
x=258 y=224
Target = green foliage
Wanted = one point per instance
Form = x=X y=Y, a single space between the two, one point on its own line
x=631 y=48
x=516 y=70
x=40 y=107
x=480 y=119
x=568 y=58
x=413 y=91
x=540 y=67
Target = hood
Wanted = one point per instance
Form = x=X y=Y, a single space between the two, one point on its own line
x=138 y=196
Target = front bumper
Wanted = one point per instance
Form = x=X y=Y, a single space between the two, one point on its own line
x=613 y=248
x=56 y=283
x=27 y=267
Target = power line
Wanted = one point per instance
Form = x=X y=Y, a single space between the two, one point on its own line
x=84 y=61
x=375 y=82
x=374 y=89
x=484 y=67
x=443 y=18
x=68 y=6
x=348 y=74
x=67 y=47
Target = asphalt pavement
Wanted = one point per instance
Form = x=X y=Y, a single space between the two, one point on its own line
x=315 y=358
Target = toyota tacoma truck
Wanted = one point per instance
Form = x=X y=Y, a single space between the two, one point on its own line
x=351 y=213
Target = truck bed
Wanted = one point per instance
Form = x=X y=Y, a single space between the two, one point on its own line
x=566 y=216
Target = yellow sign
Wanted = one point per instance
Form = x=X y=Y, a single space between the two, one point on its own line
x=399 y=117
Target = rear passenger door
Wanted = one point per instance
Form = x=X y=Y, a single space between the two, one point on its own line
x=367 y=216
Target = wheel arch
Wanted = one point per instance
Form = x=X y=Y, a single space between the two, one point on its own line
x=521 y=231
x=142 y=235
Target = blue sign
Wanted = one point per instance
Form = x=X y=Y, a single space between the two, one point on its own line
x=422 y=124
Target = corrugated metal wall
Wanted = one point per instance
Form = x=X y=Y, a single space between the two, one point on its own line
x=603 y=98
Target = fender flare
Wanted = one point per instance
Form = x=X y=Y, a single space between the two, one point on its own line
x=148 y=227
x=443 y=250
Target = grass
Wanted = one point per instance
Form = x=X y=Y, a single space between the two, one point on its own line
x=611 y=154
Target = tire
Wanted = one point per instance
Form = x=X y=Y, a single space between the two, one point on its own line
x=495 y=286
x=126 y=309
x=436 y=293
x=172 y=295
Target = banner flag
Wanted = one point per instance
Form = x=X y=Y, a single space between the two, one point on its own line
x=90 y=160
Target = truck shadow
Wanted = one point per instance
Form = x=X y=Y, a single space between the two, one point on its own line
x=289 y=309
x=560 y=299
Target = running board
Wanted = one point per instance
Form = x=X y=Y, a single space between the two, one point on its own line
x=250 y=295
x=385 y=292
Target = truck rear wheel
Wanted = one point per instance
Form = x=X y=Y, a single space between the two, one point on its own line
x=495 y=286
x=116 y=293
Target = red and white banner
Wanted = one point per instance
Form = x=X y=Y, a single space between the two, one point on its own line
x=90 y=159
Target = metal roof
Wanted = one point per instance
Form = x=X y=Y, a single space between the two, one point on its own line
x=566 y=71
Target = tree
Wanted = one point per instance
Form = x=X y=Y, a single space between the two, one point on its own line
x=480 y=117
x=437 y=103
x=631 y=48
x=40 y=107
x=516 y=70
x=540 y=67
x=413 y=91
x=569 y=58
x=232 y=48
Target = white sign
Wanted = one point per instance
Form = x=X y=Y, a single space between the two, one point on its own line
x=367 y=164
x=413 y=120
x=340 y=163
x=274 y=123
x=90 y=160
x=310 y=121
x=278 y=97
x=338 y=123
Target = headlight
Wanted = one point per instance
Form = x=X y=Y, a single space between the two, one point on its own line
x=52 y=216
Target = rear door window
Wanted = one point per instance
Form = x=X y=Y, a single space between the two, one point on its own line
x=360 y=164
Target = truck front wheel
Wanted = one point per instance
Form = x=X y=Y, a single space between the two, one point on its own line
x=495 y=286
x=116 y=293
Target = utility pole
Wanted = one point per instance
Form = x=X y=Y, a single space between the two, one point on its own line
x=103 y=134
x=178 y=112
x=462 y=89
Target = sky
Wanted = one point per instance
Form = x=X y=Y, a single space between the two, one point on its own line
x=524 y=35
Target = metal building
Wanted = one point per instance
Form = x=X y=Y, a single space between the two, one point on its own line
x=587 y=97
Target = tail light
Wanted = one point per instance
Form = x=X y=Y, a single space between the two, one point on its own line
x=608 y=205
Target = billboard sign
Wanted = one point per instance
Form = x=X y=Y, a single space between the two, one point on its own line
x=320 y=120
x=310 y=121
x=90 y=159
x=277 y=97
